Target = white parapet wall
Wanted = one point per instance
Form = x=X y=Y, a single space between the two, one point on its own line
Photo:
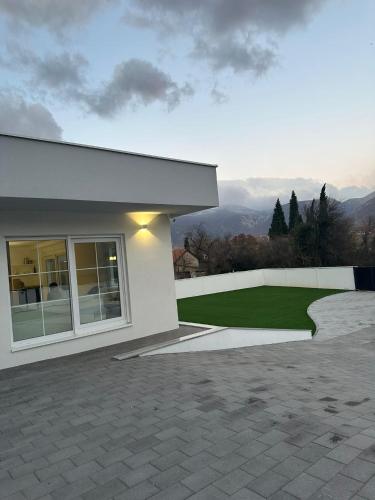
x=341 y=278
x=205 y=285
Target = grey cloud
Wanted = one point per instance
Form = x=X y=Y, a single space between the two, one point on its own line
x=260 y=193
x=54 y=71
x=63 y=75
x=269 y=15
x=54 y=15
x=237 y=56
x=134 y=82
x=21 y=118
x=228 y=34
x=223 y=16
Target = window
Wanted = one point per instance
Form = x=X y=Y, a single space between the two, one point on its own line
x=39 y=288
x=61 y=286
x=97 y=280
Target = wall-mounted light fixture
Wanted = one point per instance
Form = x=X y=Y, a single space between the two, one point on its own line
x=143 y=226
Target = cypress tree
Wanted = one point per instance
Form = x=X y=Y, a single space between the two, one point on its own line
x=323 y=226
x=305 y=237
x=187 y=244
x=294 y=215
x=278 y=224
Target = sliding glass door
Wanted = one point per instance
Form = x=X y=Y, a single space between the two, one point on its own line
x=98 y=279
x=66 y=285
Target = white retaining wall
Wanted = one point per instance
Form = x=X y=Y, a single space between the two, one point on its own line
x=341 y=278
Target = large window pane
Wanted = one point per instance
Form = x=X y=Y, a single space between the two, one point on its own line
x=22 y=257
x=53 y=256
x=101 y=280
x=89 y=309
x=87 y=281
x=106 y=253
x=57 y=316
x=55 y=286
x=110 y=305
x=27 y=322
x=39 y=288
x=85 y=255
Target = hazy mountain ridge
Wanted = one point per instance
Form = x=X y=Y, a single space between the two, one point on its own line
x=236 y=219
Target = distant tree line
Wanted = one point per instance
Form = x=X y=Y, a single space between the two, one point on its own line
x=321 y=236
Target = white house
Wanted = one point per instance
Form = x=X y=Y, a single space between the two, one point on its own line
x=85 y=248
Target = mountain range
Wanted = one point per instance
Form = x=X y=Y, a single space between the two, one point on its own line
x=237 y=219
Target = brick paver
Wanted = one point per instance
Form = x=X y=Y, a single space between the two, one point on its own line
x=283 y=421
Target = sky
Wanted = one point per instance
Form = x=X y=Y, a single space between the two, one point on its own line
x=277 y=93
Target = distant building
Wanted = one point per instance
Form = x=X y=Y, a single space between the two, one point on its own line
x=185 y=264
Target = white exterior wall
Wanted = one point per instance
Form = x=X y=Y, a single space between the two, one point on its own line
x=205 y=285
x=341 y=278
x=149 y=268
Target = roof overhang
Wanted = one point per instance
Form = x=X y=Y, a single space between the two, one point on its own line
x=45 y=175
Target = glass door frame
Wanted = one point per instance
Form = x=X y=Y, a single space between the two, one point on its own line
x=105 y=324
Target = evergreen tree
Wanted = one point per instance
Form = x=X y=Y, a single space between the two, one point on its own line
x=294 y=215
x=305 y=238
x=323 y=227
x=278 y=224
x=187 y=244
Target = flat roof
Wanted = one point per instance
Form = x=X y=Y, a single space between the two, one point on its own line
x=88 y=146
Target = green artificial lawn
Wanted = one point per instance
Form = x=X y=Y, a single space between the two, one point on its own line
x=260 y=307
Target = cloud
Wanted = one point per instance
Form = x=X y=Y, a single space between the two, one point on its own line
x=134 y=82
x=223 y=17
x=260 y=193
x=21 y=118
x=228 y=34
x=237 y=56
x=54 y=15
x=54 y=71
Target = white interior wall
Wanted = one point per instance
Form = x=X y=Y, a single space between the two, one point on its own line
x=341 y=278
x=149 y=268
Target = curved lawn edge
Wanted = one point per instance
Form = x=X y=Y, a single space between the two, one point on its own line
x=261 y=307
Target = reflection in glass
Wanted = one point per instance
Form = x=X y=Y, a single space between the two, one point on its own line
x=111 y=305
x=57 y=317
x=85 y=255
x=89 y=309
x=108 y=279
x=22 y=257
x=27 y=322
x=52 y=255
x=107 y=254
x=87 y=281
x=55 y=286
x=24 y=289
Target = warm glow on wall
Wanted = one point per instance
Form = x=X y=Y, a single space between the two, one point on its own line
x=143 y=219
x=144 y=222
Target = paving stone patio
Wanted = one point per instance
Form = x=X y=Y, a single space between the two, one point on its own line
x=284 y=421
x=342 y=313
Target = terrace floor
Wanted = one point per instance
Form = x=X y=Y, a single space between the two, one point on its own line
x=283 y=421
x=342 y=313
